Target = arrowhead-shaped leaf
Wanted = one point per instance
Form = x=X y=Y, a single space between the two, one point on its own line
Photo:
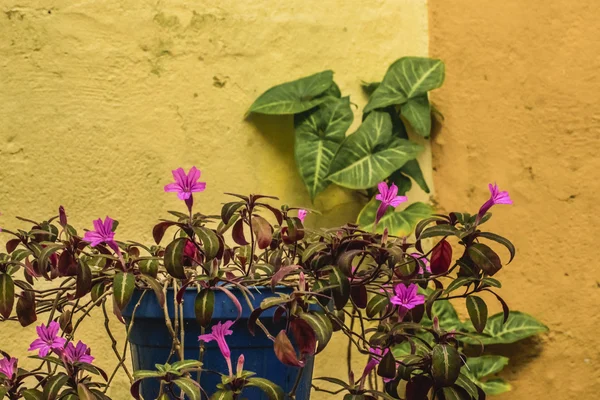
x=294 y=97
x=398 y=223
x=518 y=327
x=405 y=79
x=370 y=154
x=418 y=114
x=319 y=133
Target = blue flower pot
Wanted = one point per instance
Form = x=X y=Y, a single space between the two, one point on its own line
x=151 y=342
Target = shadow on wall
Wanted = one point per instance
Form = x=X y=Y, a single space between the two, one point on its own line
x=335 y=204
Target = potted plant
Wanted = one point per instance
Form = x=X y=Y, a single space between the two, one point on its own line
x=237 y=304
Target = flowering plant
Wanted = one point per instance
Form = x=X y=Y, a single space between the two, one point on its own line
x=322 y=281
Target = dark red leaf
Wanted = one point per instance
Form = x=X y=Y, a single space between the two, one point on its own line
x=285 y=351
x=441 y=257
x=159 y=230
x=12 y=244
x=238 y=233
x=263 y=231
x=359 y=295
x=304 y=336
x=282 y=273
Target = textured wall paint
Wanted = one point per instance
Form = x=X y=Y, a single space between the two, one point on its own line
x=99 y=100
x=521 y=106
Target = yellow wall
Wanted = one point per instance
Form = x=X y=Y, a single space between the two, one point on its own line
x=99 y=100
x=521 y=106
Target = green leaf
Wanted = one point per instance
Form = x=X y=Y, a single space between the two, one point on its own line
x=503 y=241
x=405 y=79
x=484 y=257
x=480 y=367
x=467 y=384
x=29 y=394
x=438 y=230
x=210 y=241
x=478 y=312
x=204 y=306
x=7 y=295
x=518 y=327
x=413 y=170
x=341 y=291
x=322 y=327
x=174 y=258
x=273 y=391
x=222 y=395
x=445 y=364
x=377 y=304
x=189 y=387
x=186 y=365
x=370 y=154
x=418 y=114
x=495 y=386
x=143 y=374
x=123 y=286
x=455 y=393
x=319 y=134
x=458 y=283
x=53 y=386
x=398 y=223
x=149 y=267
x=294 y=97
x=84 y=393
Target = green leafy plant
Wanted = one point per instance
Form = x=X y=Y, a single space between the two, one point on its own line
x=379 y=150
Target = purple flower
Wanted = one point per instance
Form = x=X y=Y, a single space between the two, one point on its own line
x=103 y=233
x=406 y=297
x=374 y=362
x=496 y=197
x=218 y=334
x=388 y=197
x=422 y=260
x=302 y=213
x=48 y=339
x=8 y=366
x=185 y=184
x=78 y=353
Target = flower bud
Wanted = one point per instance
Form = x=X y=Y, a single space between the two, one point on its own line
x=302 y=282
x=62 y=216
x=240 y=365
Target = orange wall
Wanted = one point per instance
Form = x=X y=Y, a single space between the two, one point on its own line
x=521 y=108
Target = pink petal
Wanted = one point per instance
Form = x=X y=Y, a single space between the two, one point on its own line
x=379 y=197
x=207 y=337
x=98 y=225
x=383 y=188
x=36 y=344
x=396 y=201
x=44 y=350
x=183 y=195
x=108 y=224
x=53 y=328
x=198 y=187
x=94 y=238
x=193 y=176
x=173 y=187
x=393 y=192
x=179 y=176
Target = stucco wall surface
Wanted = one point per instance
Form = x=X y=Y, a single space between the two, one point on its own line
x=99 y=100
x=521 y=108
